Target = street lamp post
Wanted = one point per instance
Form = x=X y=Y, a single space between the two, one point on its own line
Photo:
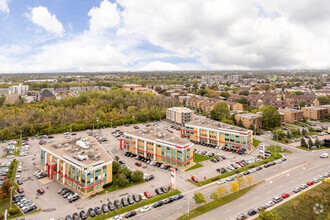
x=97 y=123
x=276 y=142
x=133 y=119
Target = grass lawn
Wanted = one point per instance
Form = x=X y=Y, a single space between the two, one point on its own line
x=242 y=169
x=4 y=204
x=306 y=149
x=114 y=187
x=256 y=143
x=199 y=158
x=302 y=206
x=215 y=204
x=137 y=205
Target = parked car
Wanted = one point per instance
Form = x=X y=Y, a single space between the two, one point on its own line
x=193 y=178
x=241 y=217
x=309 y=183
x=73 y=198
x=285 y=195
x=147 y=194
x=168 y=200
x=98 y=210
x=130 y=200
x=19 y=182
x=158 y=204
x=178 y=197
x=91 y=212
x=124 y=202
x=20 y=190
x=117 y=204
x=138 y=164
x=105 y=208
x=163 y=189
x=130 y=214
x=252 y=212
x=41 y=191
x=111 y=206
x=277 y=199
x=296 y=189
x=145 y=208
x=83 y=215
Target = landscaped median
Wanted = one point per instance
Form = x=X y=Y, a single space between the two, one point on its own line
x=137 y=205
x=199 y=158
x=242 y=169
x=216 y=203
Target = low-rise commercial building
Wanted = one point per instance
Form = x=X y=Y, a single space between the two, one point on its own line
x=159 y=145
x=292 y=115
x=314 y=113
x=179 y=115
x=219 y=134
x=249 y=119
x=82 y=165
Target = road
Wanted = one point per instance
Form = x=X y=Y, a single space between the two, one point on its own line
x=280 y=178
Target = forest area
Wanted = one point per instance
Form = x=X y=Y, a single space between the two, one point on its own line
x=112 y=108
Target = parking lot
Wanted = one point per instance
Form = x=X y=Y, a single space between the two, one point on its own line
x=51 y=201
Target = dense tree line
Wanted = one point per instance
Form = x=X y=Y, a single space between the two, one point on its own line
x=111 y=108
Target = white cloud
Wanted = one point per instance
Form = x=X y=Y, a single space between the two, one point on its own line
x=104 y=17
x=42 y=17
x=230 y=33
x=158 y=65
x=4 y=6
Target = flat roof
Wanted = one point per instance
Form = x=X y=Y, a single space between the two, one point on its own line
x=160 y=136
x=220 y=126
x=289 y=110
x=314 y=108
x=94 y=153
x=249 y=115
x=181 y=109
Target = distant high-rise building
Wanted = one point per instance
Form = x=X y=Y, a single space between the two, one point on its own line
x=20 y=89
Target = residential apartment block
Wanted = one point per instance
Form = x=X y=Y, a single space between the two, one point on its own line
x=249 y=119
x=179 y=115
x=82 y=165
x=219 y=134
x=159 y=145
x=292 y=115
x=20 y=89
x=314 y=113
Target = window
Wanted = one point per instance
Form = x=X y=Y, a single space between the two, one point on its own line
x=188 y=153
x=83 y=176
x=173 y=154
x=168 y=152
x=163 y=151
x=179 y=155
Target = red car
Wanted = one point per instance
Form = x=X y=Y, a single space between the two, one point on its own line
x=41 y=191
x=147 y=194
x=138 y=164
x=193 y=178
x=310 y=183
x=285 y=195
x=20 y=190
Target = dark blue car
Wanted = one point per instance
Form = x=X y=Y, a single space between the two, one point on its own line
x=177 y=197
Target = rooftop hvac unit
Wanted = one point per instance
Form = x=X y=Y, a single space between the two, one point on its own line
x=159 y=135
x=91 y=152
x=81 y=157
x=97 y=156
x=82 y=144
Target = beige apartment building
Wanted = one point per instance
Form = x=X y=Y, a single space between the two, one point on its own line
x=314 y=113
x=292 y=115
x=248 y=119
x=179 y=115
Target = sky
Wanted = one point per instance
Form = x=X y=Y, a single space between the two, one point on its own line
x=137 y=35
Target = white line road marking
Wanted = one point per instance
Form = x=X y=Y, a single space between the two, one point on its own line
x=241 y=204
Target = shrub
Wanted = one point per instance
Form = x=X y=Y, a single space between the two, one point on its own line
x=13 y=211
x=215 y=178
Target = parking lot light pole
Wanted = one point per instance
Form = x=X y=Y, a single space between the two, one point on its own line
x=97 y=123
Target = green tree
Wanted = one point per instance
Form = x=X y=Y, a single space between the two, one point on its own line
x=303 y=142
x=244 y=92
x=116 y=166
x=310 y=142
x=317 y=143
x=270 y=117
x=318 y=85
x=199 y=198
x=303 y=131
x=122 y=180
x=5 y=188
x=215 y=196
x=225 y=94
x=302 y=104
x=240 y=124
x=323 y=99
x=288 y=134
x=137 y=176
x=220 y=111
x=242 y=100
x=126 y=172
x=251 y=127
x=116 y=158
x=278 y=134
